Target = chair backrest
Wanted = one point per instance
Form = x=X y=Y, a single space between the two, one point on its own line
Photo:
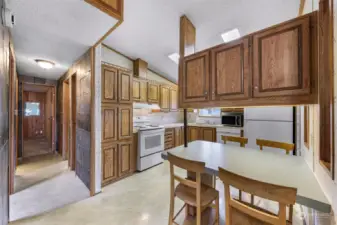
x=275 y=144
x=242 y=140
x=189 y=165
x=283 y=195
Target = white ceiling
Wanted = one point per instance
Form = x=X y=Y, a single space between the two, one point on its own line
x=55 y=30
x=151 y=27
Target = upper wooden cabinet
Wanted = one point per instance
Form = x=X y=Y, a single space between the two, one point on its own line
x=113 y=8
x=140 y=68
x=231 y=70
x=139 y=90
x=282 y=59
x=125 y=87
x=153 y=92
x=274 y=66
x=195 y=82
x=174 y=98
x=109 y=84
x=165 y=97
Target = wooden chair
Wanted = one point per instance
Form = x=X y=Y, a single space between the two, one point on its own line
x=238 y=212
x=242 y=140
x=274 y=144
x=193 y=193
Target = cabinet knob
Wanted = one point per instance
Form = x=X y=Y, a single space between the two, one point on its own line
x=206 y=92
x=256 y=87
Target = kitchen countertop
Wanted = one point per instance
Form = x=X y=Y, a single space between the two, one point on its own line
x=284 y=170
x=174 y=125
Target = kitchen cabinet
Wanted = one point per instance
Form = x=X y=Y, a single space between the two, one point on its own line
x=231 y=70
x=193 y=134
x=195 y=82
x=109 y=163
x=282 y=59
x=207 y=134
x=125 y=87
x=169 y=138
x=125 y=123
x=109 y=84
x=274 y=66
x=140 y=68
x=114 y=8
x=153 y=92
x=174 y=98
x=124 y=158
x=139 y=90
x=179 y=138
x=109 y=123
x=165 y=97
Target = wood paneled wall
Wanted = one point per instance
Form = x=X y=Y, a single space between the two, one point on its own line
x=4 y=79
x=82 y=70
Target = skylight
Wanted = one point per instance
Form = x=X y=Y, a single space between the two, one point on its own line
x=174 y=57
x=231 y=35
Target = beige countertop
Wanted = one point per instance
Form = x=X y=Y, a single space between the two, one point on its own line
x=173 y=125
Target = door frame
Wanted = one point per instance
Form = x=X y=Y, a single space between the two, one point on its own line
x=53 y=133
x=12 y=117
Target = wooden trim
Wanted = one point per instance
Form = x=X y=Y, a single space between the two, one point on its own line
x=108 y=33
x=93 y=125
x=48 y=85
x=301 y=9
x=118 y=52
x=11 y=116
x=106 y=8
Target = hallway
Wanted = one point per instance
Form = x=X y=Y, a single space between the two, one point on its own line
x=44 y=183
x=36 y=146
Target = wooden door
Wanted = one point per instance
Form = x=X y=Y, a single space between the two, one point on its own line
x=153 y=92
x=139 y=90
x=208 y=134
x=193 y=134
x=109 y=162
x=65 y=121
x=281 y=59
x=34 y=114
x=164 y=97
x=125 y=126
x=125 y=87
x=231 y=73
x=124 y=158
x=109 y=84
x=173 y=99
x=109 y=123
x=195 y=79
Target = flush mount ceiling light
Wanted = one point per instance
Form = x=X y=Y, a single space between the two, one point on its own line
x=231 y=35
x=45 y=64
x=174 y=57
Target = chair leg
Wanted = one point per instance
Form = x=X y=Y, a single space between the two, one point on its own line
x=290 y=214
x=199 y=215
x=217 y=216
x=240 y=195
x=171 y=215
x=252 y=199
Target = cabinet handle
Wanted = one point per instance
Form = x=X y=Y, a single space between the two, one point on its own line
x=256 y=87
x=206 y=92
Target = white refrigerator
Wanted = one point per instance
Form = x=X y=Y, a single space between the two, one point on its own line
x=271 y=123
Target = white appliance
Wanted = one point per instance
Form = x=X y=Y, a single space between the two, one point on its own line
x=150 y=146
x=228 y=131
x=271 y=123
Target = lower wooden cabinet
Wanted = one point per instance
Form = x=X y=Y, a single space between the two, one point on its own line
x=169 y=141
x=201 y=133
x=117 y=161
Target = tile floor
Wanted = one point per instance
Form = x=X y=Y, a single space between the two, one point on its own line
x=42 y=184
x=142 y=199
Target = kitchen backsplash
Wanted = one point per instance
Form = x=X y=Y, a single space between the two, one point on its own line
x=158 y=117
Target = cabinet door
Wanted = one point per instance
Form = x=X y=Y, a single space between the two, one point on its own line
x=208 y=134
x=281 y=59
x=109 y=84
x=109 y=163
x=231 y=73
x=195 y=78
x=124 y=158
x=125 y=126
x=139 y=90
x=109 y=123
x=125 y=88
x=153 y=92
x=178 y=135
x=164 y=97
x=193 y=133
x=173 y=99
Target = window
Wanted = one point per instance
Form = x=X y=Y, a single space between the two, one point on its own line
x=32 y=109
x=211 y=112
x=306 y=129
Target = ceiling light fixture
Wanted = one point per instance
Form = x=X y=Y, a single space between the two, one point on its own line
x=174 y=57
x=231 y=35
x=45 y=64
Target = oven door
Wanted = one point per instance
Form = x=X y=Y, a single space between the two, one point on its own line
x=151 y=141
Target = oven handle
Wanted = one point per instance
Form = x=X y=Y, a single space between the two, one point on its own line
x=238 y=121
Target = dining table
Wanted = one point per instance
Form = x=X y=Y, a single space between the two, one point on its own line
x=268 y=167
